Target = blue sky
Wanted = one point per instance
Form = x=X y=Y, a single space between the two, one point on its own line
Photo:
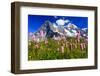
x=35 y=21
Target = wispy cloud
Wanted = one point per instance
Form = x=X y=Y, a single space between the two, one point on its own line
x=60 y=22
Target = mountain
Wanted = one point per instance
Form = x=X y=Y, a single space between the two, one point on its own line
x=84 y=32
x=47 y=27
x=85 y=29
x=69 y=30
x=70 y=25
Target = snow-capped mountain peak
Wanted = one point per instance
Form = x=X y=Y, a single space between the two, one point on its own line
x=72 y=26
x=60 y=28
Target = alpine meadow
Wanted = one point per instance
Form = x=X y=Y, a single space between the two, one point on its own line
x=57 y=37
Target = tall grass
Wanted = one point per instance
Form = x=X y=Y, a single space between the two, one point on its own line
x=60 y=49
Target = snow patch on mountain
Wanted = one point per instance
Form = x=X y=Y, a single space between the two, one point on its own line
x=61 y=27
x=70 y=25
x=60 y=22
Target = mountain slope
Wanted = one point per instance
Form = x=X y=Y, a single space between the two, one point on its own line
x=68 y=30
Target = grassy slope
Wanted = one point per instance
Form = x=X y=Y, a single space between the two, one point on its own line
x=52 y=50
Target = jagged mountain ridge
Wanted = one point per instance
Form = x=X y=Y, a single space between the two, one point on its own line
x=69 y=30
x=46 y=27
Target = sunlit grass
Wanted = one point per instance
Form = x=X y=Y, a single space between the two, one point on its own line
x=61 y=49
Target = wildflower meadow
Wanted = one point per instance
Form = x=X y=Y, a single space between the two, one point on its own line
x=69 y=48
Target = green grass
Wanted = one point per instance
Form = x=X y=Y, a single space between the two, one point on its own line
x=50 y=50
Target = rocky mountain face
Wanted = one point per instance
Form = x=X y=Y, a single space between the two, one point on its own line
x=69 y=30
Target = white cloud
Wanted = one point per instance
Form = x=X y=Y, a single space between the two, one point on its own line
x=60 y=22
x=66 y=21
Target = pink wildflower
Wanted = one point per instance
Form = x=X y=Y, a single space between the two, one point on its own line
x=75 y=45
x=41 y=33
x=37 y=46
x=62 y=49
x=86 y=40
x=46 y=42
x=66 y=44
x=33 y=37
x=71 y=46
x=78 y=36
x=82 y=46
